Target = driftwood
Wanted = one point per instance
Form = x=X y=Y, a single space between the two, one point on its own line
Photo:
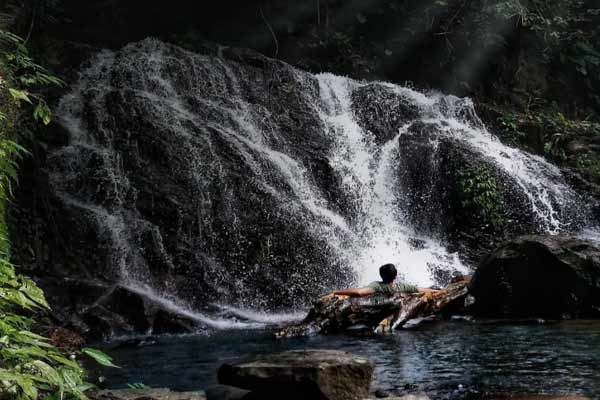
x=379 y=313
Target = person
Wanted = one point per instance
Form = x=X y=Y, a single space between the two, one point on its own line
x=387 y=286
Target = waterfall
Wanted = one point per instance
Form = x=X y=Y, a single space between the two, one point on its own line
x=380 y=233
x=204 y=180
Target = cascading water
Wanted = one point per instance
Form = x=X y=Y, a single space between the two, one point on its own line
x=252 y=184
x=380 y=233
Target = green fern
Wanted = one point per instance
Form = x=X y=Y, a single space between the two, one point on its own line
x=30 y=366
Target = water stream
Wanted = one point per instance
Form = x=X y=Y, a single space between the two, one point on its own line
x=559 y=358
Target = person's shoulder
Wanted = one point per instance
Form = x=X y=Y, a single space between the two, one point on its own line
x=406 y=287
x=375 y=285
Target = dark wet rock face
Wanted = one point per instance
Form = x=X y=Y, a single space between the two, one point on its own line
x=433 y=171
x=99 y=311
x=539 y=276
x=441 y=143
x=383 y=111
x=181 y=173
x=430 y=169
x=303 y=374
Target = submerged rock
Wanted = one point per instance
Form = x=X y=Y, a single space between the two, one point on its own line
x=539 y=276
x=303 y=374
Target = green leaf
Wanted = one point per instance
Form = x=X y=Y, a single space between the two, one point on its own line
x=65 y=361
x=48 y=373
x=100 y=357
x=42 y=112
x=20 y=95
x=28 y=388
x=31 y=290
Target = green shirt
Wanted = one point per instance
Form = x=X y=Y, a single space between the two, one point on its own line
x=382 y=288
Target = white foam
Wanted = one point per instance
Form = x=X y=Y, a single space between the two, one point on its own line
x=175 y=306
x=261 y=317
x=592 y=234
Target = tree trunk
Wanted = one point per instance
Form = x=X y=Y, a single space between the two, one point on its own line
x=379 y=313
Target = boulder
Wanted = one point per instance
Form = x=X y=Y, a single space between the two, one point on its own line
x=539 y=276
x=145 y=394
x=381 y=313
x=224 y=392
x=537 y=397
x=303 y=374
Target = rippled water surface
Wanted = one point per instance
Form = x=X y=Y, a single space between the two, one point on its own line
x=554 y=358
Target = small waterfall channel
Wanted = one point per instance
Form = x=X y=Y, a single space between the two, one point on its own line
x=251 y=185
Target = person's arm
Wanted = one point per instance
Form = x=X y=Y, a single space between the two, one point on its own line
x=427 y=291
x=358 y=292
x=428 y=294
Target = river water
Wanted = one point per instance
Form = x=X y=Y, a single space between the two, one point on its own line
x=548 y=358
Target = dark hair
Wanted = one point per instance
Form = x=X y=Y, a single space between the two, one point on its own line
x=388 y=273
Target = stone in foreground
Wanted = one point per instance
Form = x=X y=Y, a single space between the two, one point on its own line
x=145 y=394
x=416 y=396
x=224 y=392
x=538 y=397
x=303 y=374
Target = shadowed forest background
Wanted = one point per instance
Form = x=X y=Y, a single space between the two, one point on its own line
x=533 y=66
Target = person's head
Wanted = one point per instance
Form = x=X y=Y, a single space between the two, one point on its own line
x=388 y=273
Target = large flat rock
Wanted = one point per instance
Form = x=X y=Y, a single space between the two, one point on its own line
x=146 y=394
x=539 y=397
x=303 y=374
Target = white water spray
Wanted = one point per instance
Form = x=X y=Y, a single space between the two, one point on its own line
x=380 y=236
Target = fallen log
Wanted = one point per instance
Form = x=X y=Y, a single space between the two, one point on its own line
x=379 y=313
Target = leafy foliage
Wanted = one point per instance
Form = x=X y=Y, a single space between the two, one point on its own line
x=137 y=385
x=481 y=194
x=30 y=366
x=99 y=357
x=589 y=165
x=27 y=75
x=567 y=142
